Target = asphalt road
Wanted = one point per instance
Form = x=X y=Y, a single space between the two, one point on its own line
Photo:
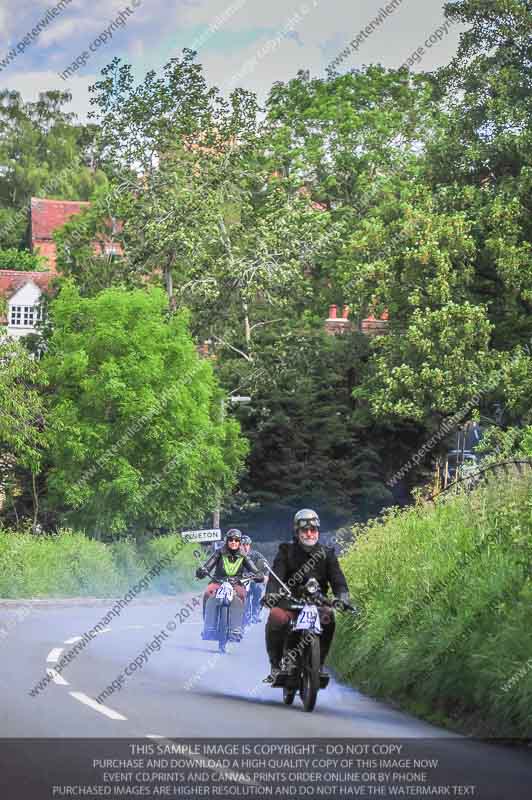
x=186 y=690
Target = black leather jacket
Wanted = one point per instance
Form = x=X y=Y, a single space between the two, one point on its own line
x=295 y=566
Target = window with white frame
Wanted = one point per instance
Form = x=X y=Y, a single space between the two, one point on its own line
x=112 y=249
x=24 y=316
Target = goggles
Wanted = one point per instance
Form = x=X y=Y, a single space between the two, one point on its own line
x=233 y=538
x=304 y=525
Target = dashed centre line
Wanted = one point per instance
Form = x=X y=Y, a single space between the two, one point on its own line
x=105 y=710
x=53 y=655
x=57 y=678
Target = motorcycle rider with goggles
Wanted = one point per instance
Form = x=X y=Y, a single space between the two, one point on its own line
x=228 y=562
x=294 y=564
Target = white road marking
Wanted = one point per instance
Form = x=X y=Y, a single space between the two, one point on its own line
x=53 y=655
x=73 y=639
x=105 y=710
x=57 y=678
x=103 y=630
x=155 y=736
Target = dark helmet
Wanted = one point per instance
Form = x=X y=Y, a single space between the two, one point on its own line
x=304 y=517
x=246 y=539
x=233 y=533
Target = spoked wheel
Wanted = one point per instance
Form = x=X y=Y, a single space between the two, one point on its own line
x=288 y=696
x=311 y=674
x=223 y=628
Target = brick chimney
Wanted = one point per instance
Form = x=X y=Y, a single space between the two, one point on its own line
x=335 y=325
x=371 y=326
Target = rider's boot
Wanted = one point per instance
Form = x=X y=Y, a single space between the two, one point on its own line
x=235 y=635
x=275 y=669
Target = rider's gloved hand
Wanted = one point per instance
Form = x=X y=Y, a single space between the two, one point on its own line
x=341 y=601
x=258 y=578
x=201 y=572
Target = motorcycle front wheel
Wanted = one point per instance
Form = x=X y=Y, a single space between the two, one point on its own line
x=288 y=696
x=223 y=628
x=311 y=674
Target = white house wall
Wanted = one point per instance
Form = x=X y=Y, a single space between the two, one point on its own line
x=27 y=295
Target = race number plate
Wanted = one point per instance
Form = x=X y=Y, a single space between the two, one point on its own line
x=308 y=620
x=225 y=594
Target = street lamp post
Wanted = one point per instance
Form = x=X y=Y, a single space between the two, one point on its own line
x=231 y=399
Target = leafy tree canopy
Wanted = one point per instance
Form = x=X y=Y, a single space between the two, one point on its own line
x=135 y=437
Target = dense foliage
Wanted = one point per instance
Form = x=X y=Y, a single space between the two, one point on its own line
x=134 y=432
x=445 y=595
x=43 y=153
x=376 y=188
x=23 y=260
x=69 y=564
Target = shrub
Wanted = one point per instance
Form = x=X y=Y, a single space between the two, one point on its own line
x=69 y=564
x=445 y=592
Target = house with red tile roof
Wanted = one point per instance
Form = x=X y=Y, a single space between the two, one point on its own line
x=21 y=291
x=23 y=294
x=46 y=216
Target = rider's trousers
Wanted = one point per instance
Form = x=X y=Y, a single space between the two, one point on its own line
x=277 y=629
x=236 y=609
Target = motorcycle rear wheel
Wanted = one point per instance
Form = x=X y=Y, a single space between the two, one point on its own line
x=311 y=674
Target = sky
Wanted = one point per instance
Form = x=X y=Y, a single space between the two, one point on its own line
x=248 y=43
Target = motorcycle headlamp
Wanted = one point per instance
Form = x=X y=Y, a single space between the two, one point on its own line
x=312 y=586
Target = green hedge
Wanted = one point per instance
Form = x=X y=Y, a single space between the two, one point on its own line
x=69 y=564
x=446 y=596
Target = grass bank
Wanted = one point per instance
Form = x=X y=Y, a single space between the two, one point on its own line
x=446 y=596
x=68 y=564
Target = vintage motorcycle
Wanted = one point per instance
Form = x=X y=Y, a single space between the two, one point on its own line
x=224 y=597
x=300 y=667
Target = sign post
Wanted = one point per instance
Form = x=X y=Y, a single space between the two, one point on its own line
x=207 y=535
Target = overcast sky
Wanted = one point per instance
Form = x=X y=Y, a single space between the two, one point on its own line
x=249 y=43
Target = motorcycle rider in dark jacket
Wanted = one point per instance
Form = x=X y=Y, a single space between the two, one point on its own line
x=255 y=588
x=229 y=561
x=294 y=564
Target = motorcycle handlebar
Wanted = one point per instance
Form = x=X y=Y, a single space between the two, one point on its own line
x=228 y=579
x=316 y=599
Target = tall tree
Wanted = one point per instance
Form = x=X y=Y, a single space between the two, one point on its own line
x=135 y=436
x=43 y=152
x=22 y=436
